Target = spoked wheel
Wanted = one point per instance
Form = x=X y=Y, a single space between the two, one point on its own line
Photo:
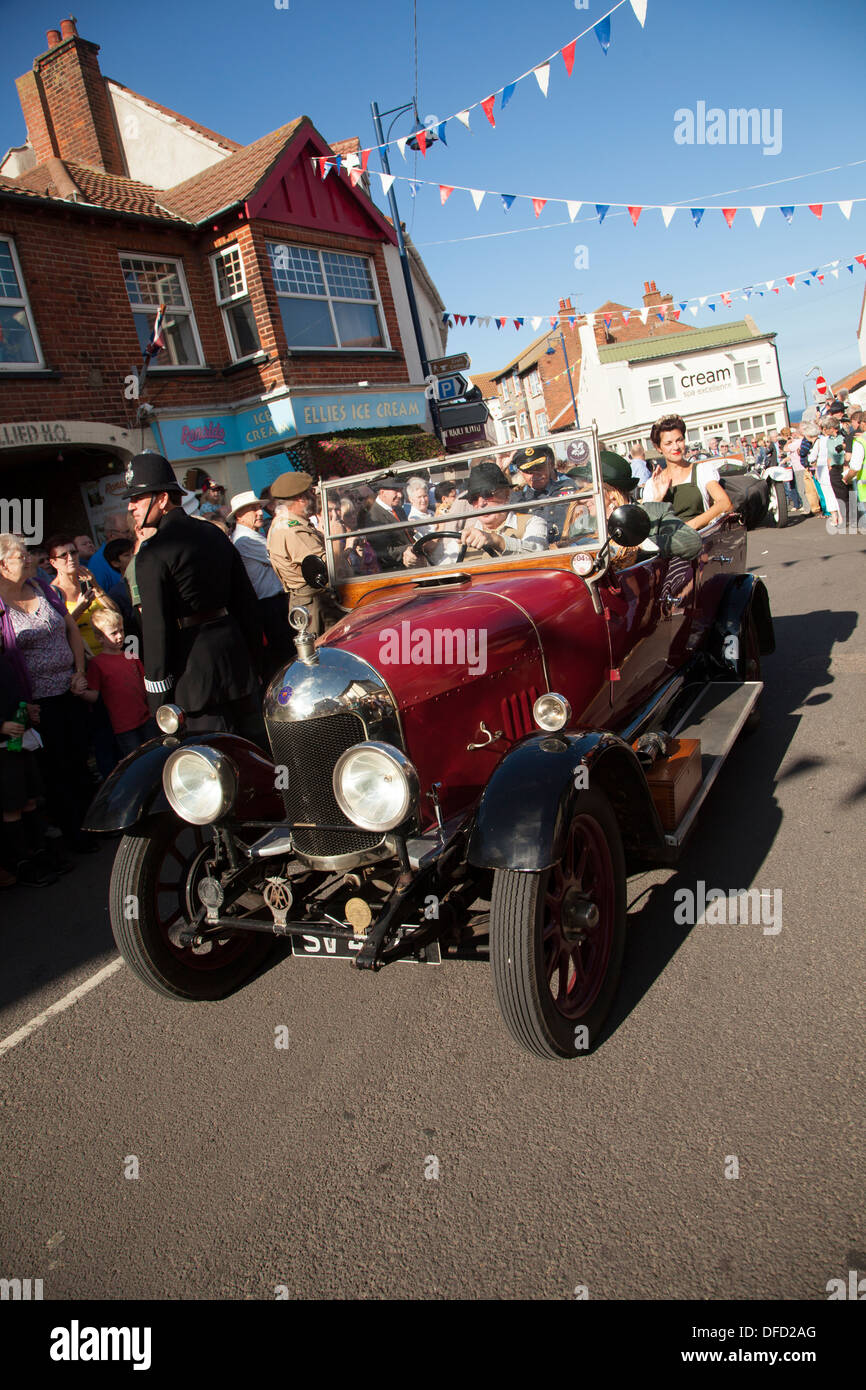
x=153 y=894
x=778 y=503
x=557 y=937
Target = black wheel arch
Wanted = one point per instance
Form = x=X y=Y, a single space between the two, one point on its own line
x=746 y=596
x=526 y=808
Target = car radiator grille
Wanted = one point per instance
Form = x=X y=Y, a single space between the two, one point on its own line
x=309 y=751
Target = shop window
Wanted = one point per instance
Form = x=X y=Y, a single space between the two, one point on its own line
x=328 y=299
x=19 y=345
x=151 y=282
x=770 y=420
x=234 y=301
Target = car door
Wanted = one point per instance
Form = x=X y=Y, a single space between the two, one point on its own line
x=649 y=609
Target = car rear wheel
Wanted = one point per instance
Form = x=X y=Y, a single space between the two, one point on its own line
x=152 y=896
x=557 y=937
x=778 y=503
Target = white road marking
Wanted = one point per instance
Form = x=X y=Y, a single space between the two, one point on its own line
x=59 y=1007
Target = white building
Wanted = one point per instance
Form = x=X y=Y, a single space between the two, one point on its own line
x=723 y=380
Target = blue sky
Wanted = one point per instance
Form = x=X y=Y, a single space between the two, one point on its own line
x=603 y=135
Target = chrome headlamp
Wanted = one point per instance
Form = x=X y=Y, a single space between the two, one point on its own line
x=376 y=786
x=551 y=712
x=201 y=784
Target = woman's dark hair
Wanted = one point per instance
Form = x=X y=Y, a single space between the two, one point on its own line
x=112 y=550
x=441 y=490
x=60 y=538
x=667 y=422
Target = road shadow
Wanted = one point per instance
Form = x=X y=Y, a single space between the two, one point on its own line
x=741 y=818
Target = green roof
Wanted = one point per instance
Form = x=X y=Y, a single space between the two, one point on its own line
x=672 y=344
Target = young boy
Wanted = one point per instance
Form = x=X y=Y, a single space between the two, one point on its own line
x=118 y=677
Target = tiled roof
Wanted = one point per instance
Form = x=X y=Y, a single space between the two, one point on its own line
x=852 y=382
x=61 y=180
x=689 y=340
x=486 y=383
x=231 y=180
x=119 y=194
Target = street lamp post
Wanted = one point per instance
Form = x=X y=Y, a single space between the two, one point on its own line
x=811 y=372
x=401 y=246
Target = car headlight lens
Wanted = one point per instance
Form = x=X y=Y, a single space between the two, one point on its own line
x=169 y=718
x=200 y=783
x=376 y=786
x=551 y=712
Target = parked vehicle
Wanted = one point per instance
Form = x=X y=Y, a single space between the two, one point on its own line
x=465 y=767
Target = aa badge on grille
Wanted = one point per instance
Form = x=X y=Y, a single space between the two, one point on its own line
x=278 y=898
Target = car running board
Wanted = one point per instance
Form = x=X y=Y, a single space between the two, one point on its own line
x=715 y=718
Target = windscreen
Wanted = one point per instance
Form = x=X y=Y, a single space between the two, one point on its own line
x=499 y=504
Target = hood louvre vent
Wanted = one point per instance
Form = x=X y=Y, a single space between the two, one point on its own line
x=516 y=713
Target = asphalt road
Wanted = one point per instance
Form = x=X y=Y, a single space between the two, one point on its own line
x=310 y=1167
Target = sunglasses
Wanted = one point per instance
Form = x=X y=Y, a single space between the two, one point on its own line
x=64 y=555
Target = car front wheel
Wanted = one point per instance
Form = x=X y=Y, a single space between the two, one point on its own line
x=778 y=503
x=152 y=896
x=557 y=937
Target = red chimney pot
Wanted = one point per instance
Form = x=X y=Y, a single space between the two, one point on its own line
x=68 y=29
x=53 y=37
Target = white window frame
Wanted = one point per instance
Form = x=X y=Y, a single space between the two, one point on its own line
x=659 y=381
x=156 y=365
x=225 y=304
x=534 y=383
x=330 y=299
x=24 y=303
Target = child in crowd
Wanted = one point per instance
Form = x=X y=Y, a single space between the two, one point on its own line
x=118 y=676
x=22 y=842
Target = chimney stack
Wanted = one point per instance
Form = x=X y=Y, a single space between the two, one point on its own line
x=66 y=105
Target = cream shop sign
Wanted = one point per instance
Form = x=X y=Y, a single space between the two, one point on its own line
x=700 y=379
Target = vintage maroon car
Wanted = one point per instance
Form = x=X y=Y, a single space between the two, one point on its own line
x=463 y=766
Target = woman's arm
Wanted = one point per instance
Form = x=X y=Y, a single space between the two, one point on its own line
x=76 y=643
x=721 y=503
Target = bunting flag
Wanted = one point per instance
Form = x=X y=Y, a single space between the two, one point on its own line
x=639 y=7
x=324 y=164
x=387 y=181
x=440 y=132
x=507 y=94
x=402 y=143
x=568 y=56
x=445 y=191
x=508 y=199
x=538 y=204
x=463 y=118
x=602 y=33
x=487 y=107
x=666 y=312
x=543 y=77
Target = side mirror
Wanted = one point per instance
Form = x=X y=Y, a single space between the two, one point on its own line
x=628 y=525
x=314 y=572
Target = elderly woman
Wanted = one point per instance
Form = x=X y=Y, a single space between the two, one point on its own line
x=46 y=650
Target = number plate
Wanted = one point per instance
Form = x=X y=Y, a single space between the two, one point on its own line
x=342 y=947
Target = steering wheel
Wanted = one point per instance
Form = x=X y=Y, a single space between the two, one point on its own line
x=418 y=546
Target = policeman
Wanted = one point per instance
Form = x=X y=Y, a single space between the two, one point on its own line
x=201 y=629
x=291 y=538
x=538 y=464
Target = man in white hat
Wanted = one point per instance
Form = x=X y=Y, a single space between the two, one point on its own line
x=246 y=512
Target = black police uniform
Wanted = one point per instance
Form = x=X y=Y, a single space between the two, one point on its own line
x=201 y=627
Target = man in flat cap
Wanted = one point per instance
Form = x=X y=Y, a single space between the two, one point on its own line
x=291 y=538
x=201 y=632
x=504 y=532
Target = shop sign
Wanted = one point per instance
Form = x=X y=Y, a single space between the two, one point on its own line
x=316 y=414
x=38 y=432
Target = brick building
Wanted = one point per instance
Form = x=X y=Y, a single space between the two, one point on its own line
x=533 y=391
x=286 y=312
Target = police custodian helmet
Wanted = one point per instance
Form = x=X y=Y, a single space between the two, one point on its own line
x=148 y=473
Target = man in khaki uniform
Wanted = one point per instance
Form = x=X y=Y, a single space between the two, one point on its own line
x=291 y=538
